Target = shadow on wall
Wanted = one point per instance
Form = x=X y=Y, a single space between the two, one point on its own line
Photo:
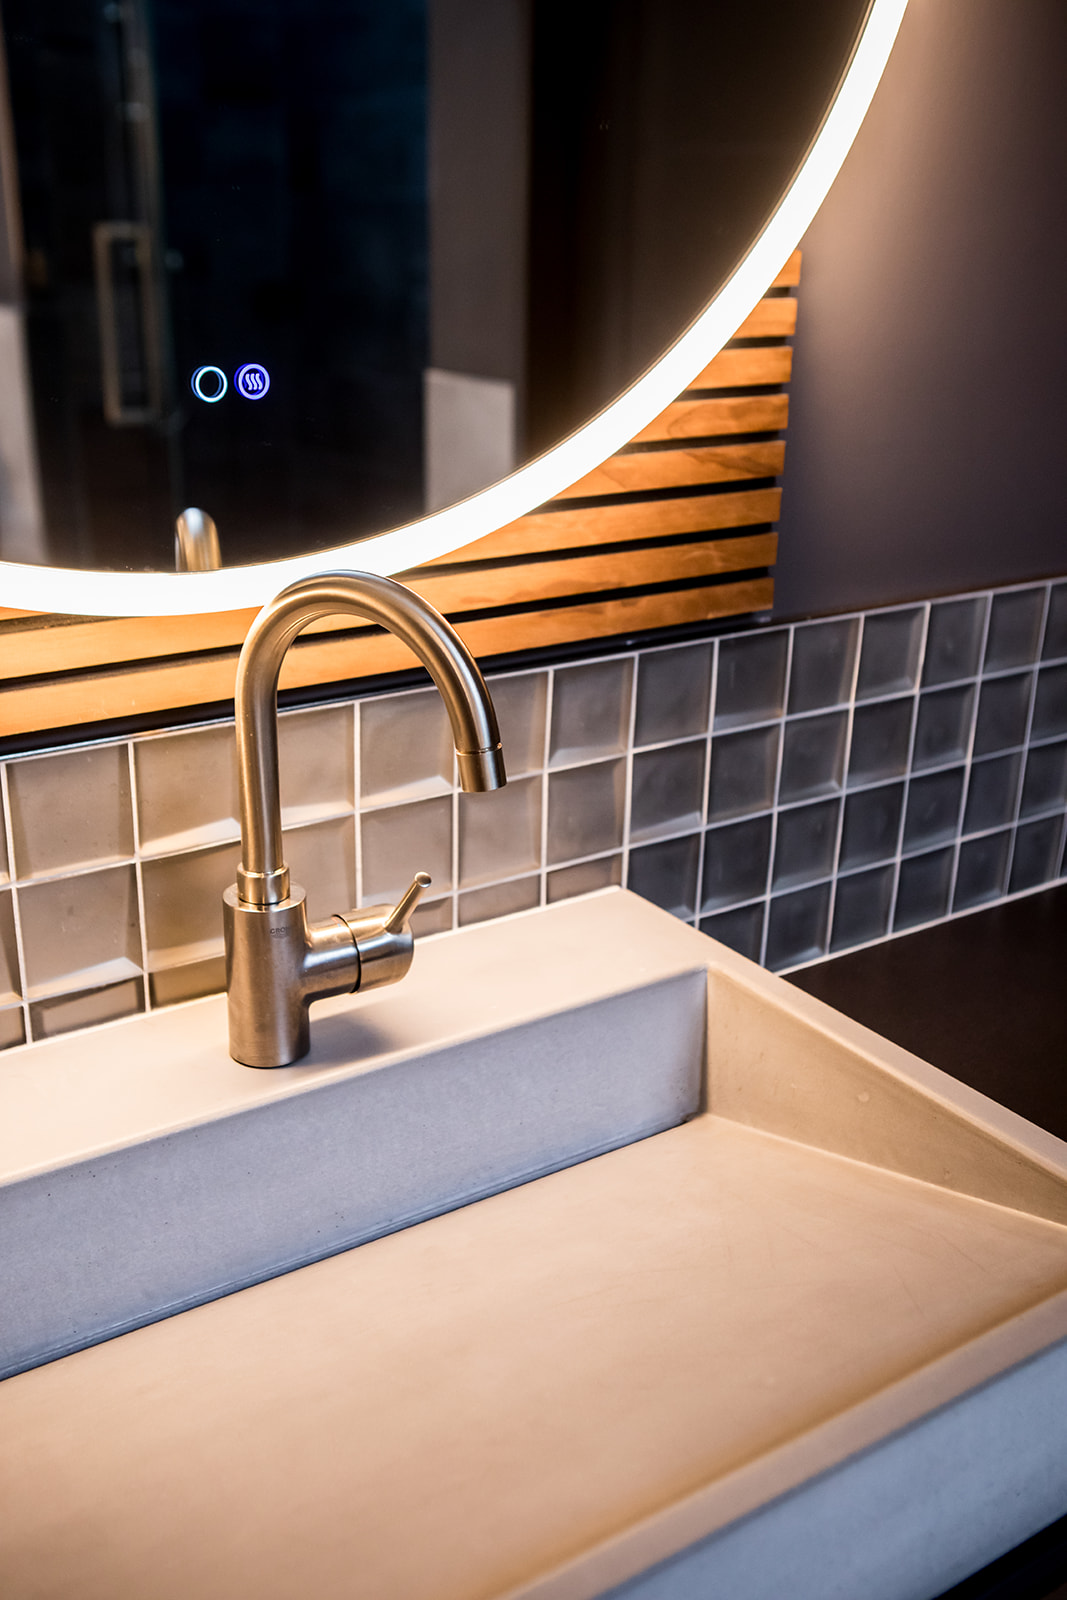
x=928 y=405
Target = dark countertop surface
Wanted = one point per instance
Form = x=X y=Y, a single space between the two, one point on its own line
x=984 y=997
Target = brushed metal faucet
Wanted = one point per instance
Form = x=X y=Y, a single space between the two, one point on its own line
x=277 y=962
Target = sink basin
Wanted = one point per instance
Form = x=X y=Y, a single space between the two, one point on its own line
x=672 y=1281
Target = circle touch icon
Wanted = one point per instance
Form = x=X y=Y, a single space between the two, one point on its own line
x=252 y=381
x=210 y=384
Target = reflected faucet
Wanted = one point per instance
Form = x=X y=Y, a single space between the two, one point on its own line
x=276 y=961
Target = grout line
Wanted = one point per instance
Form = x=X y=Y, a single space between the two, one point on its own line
x=849 y=718
x=142 y=921
x=769 y=881
x=628 y=772
x=16 y=909
x=924 y=634
x=953 y=872
x=1021 y=780
x=705 y=798
x=546 y=746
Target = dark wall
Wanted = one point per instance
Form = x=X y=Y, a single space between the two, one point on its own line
x=928 y=428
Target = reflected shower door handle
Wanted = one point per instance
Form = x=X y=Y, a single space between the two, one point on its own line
x=130 y=323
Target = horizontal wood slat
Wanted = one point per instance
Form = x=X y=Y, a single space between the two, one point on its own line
x=150 y=689
x=674 y=469
x=615 y=524
x=703 y=419
x=111 y=668
x=789 y=276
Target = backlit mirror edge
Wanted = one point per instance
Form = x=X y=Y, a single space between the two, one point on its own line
x=118 y=594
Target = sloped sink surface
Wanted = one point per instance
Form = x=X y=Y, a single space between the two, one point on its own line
x=782 y=1312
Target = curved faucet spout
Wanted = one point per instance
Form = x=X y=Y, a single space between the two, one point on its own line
x=263 y=878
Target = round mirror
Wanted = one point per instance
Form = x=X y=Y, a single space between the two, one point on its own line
x=319 y=270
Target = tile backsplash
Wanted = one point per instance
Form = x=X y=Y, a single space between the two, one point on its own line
x=793 y=790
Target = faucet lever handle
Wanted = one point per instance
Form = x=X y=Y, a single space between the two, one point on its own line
x=400 y=913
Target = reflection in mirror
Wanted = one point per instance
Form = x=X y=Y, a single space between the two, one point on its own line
x=317 y=269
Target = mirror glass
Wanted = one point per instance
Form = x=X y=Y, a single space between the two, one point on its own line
x=319 y=266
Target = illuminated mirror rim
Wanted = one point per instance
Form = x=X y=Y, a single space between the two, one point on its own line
x=157 y=594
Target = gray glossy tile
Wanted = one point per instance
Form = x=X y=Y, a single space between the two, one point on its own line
x=741 y=930
x=871 y=828
x=68 y=1013
x=751 y=681
x=170 y=986
x=943 y=727
x=402 y=840
x=590 y=711
x=315 y=761
x=1014 y=629
x=933 y=811
x=187 y=789
x=813 y=756
x=743 y=771
x=824 y=656
x=585 y=811
x=584 y=878
x=880 y=738
x=183 y=904
x=991 y=792
x=520 y=702
x=953 y=640
x=12 y=1028
x=736 y=859
x=405 y=747
x=922 y=889
x=322 y=860
x=500 y=833
x=431 y=916
x=80 y=933
x=806 y=842
x=1003 y=708
x=889 y=658
x=668 y=789
x=1045 y=783
x=10 y=986
x=797 y=927
x=672 y=694
x=666 y=874
x=861 y=908
x=1050 y=703
x=70 y=810
x=498 y=900
x=982 y=870
x=1055 y=641
x=1036 y=856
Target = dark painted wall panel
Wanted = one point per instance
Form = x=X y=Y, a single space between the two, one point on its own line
x=928 y=428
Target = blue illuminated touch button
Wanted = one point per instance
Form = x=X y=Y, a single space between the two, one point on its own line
x=252 y=381
x=210 y=384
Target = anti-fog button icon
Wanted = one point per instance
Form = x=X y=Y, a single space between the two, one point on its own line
x=251 y=381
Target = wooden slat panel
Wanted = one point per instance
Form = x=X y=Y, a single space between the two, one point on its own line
x=701 y=419
x=147 y=690
x=770 y=319
x=652 y=519
x=671 y=469
x=740 y=369
x=480 y=588
x=789 y=276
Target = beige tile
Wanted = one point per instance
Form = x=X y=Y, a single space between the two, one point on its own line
x=70 y=810
x=403 y=840
x=315 y=755
x=80 y=932
x=406 y=747
x=186 y=789
x=500 y=832
x=10 y=988
x=183 y=904
x=498 y=900
x=322 y=860
x=520 y=710
x=171 y=985
x=86 y=1010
